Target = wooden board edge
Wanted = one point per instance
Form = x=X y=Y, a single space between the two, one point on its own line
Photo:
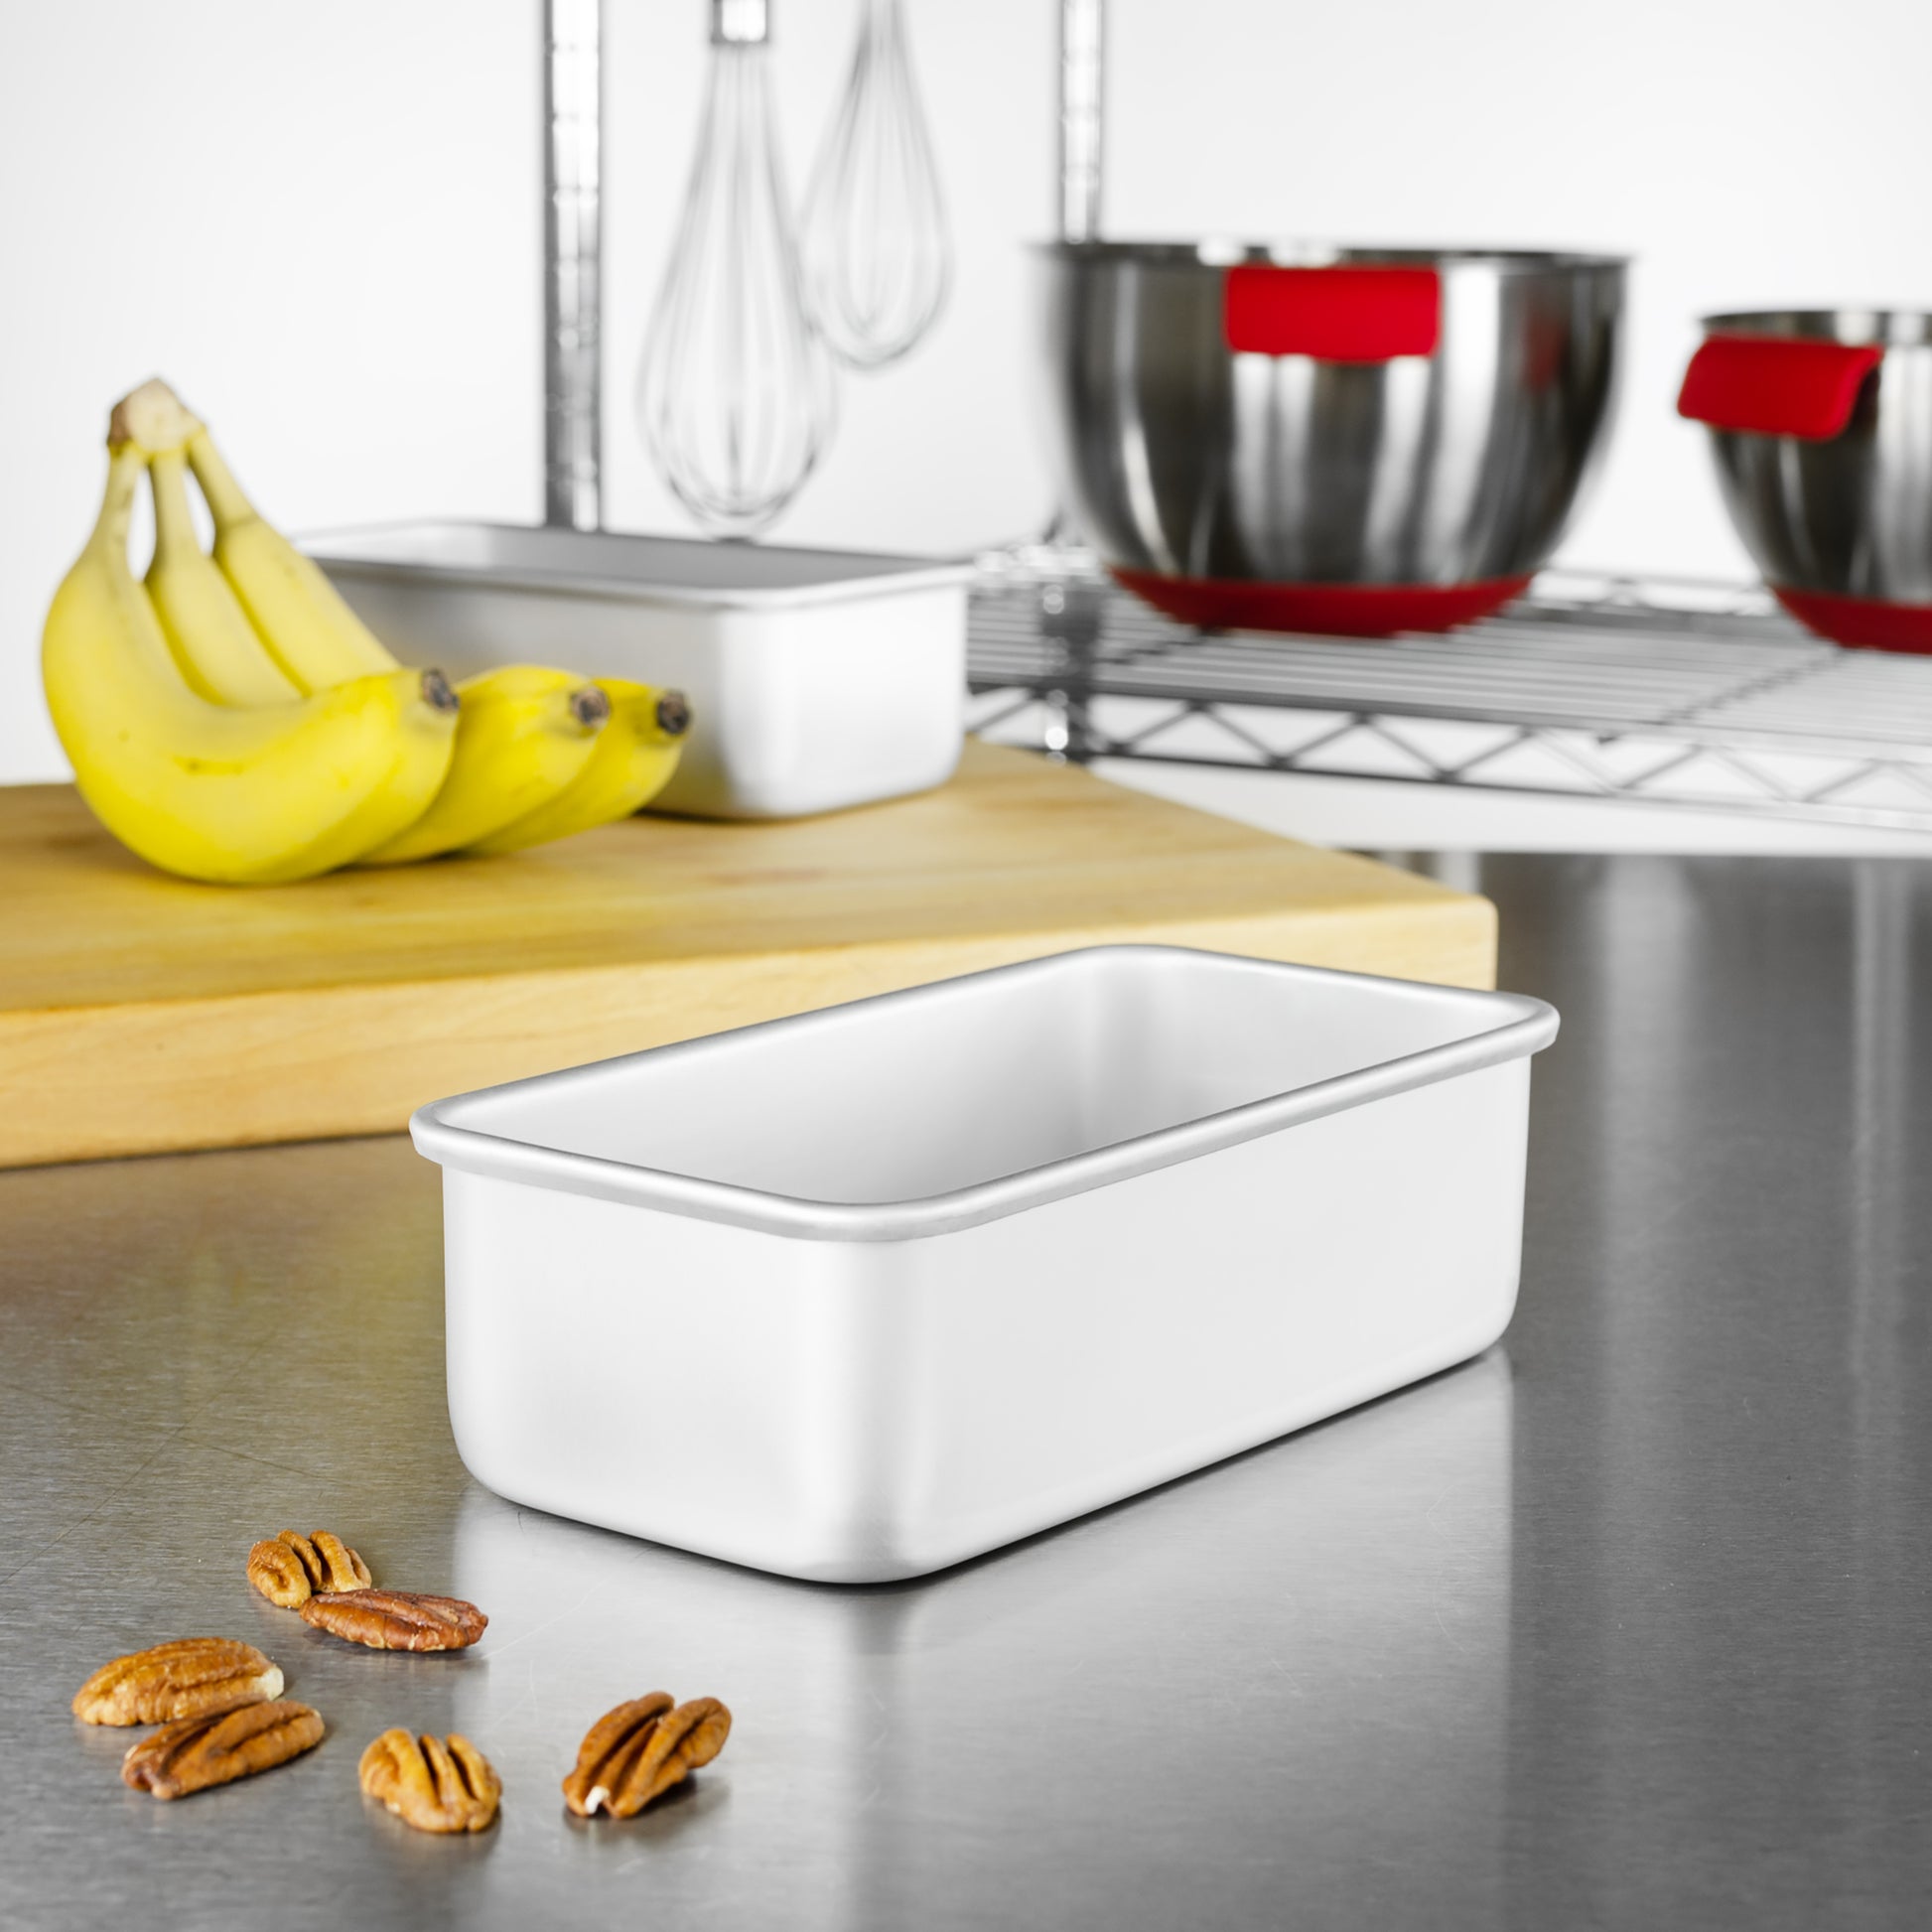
x=259 y=1068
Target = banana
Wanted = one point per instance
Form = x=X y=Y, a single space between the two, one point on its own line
x=634 y=757
x=312 y=634
x=523 y=736
x=274 y=792
x=215 y=645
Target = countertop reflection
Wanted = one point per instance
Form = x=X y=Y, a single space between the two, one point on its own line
x=1619 y=1626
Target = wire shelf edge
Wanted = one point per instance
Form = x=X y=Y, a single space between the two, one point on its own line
x=1669 y=691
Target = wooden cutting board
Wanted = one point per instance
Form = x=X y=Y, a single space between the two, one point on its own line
x=140 y=1012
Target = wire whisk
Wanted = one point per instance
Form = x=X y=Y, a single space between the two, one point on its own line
x=877 y=253
x=736 y=396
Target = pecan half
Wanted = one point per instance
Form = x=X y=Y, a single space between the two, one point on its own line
x=432 y=1783
x=185 y=1679
x=396 y=1620
x=638 y=1751
x=216 y=1749
x=291 y=1568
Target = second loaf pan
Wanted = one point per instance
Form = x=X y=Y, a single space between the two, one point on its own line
x=817 y=678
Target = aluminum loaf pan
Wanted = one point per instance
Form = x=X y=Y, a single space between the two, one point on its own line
x=817 y=678
x=858 y=1294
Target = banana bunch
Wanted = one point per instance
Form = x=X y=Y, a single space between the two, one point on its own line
x=232 y=719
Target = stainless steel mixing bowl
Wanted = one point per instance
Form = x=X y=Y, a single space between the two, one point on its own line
x=1360 y=440
x=1836 y=511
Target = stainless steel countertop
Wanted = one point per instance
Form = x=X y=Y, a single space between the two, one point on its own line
x=1625 y=1624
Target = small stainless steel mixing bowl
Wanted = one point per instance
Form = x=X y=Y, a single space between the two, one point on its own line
x=1838 y=515
x=1354 y=440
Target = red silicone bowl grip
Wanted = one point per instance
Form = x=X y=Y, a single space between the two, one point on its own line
x=1776 y=385
x=1327 y=610
x=1867 y=621
x=1335 y=315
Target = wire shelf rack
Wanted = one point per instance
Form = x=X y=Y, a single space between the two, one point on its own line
x=1672 y=691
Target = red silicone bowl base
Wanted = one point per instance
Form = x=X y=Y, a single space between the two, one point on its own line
x=1333 y=609
x=1867 y=621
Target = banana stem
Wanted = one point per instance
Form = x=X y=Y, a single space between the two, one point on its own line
x=224 y=494
x=125 y=464
x=174 y=522
x=152 y=416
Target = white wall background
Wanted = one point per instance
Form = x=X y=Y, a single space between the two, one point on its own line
x=323 y=225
